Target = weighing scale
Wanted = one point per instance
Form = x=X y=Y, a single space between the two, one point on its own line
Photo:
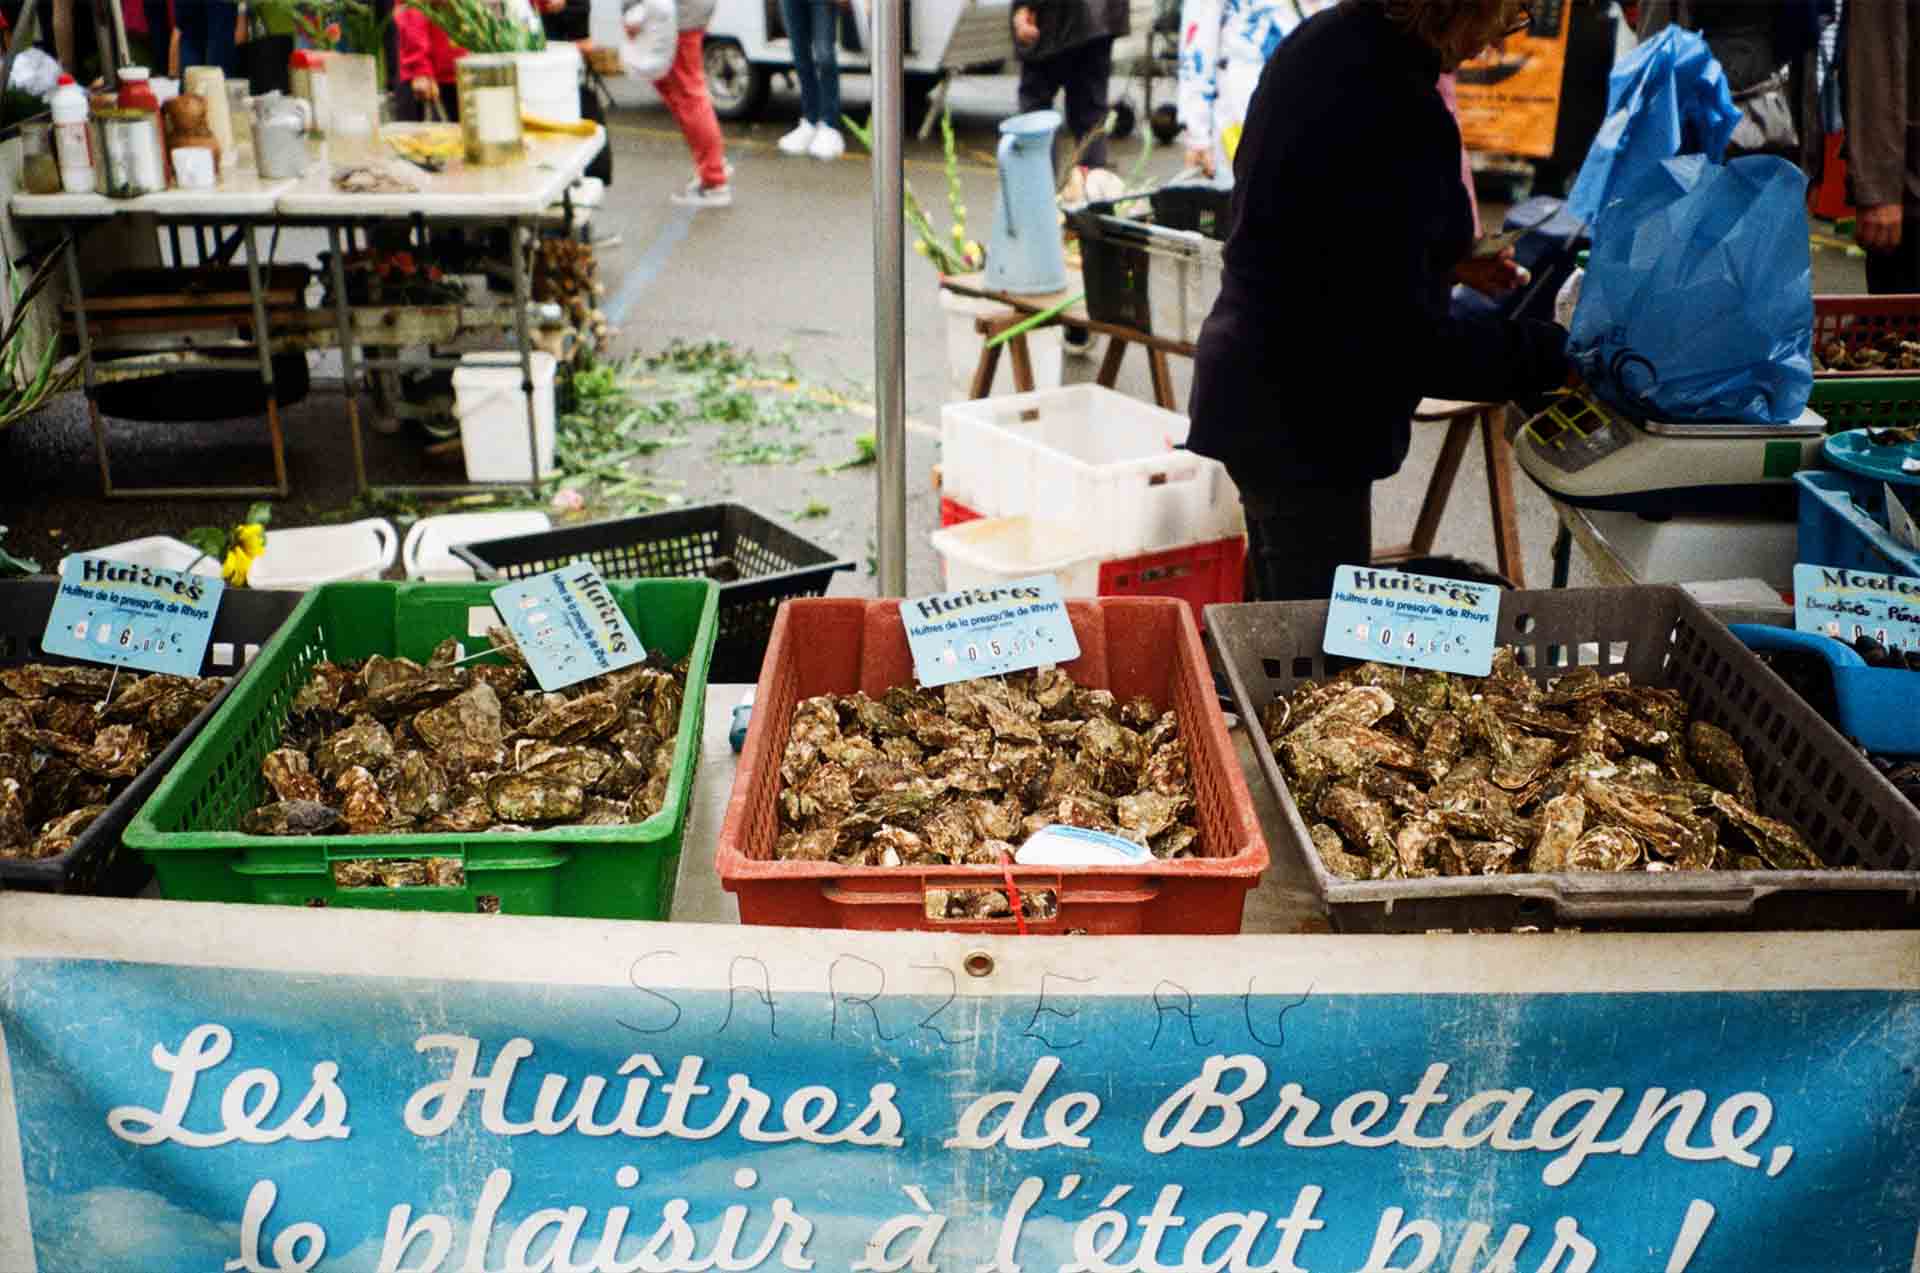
x=1593 y=455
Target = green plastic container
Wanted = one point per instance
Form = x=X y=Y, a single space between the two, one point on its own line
x=597 y=872
x=1855 y=402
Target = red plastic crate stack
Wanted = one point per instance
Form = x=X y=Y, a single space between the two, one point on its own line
x=1202 y=574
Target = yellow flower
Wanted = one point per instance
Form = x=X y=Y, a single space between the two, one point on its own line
x=253 y=538
x=920 y=246
x=234 y=569
x=959 y=233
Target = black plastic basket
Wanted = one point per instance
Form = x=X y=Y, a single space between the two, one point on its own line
x=757 y=563
x=1150 y=277
x=97 y=863
x=1201 y=207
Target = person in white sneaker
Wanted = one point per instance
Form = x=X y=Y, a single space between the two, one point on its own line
x=684 y=89
x=813 y=29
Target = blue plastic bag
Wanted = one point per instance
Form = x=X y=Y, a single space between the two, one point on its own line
x=1698 y=298
x=1669 y=97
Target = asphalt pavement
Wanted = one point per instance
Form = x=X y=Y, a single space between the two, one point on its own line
x=786 y=271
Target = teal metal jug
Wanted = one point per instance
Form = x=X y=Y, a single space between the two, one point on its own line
x=1024 y=256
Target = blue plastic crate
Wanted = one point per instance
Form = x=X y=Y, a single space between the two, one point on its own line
x=1878 y=707
x=1836 y=531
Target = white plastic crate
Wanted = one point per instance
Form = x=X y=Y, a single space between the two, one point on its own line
x=996 y=550
x=427 y=552
x=1091 y=457
x=308 y=556
x=160 y=551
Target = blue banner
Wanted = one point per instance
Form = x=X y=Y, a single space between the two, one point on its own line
x=836 y=1103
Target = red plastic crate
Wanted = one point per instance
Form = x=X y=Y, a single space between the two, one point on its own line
x=1860 y=320
x=1129 y=645
x=1829 y=198
x=1199 y=574
x=953 y=512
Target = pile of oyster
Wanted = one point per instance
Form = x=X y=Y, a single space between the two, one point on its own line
x=388 y=745
x=1402 y=773
x=67 y=747
x=961 y=775
x=1890 y=351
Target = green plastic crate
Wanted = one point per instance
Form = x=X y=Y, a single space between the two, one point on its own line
x=1855 y=402
x=598 y=872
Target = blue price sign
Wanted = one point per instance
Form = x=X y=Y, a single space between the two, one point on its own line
x=957 y=636
x=568 y=625
x=128 y=615
x=1391 y=616
x=1850 y=604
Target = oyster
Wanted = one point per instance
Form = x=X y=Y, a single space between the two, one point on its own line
x=526 y=798
x=1364 y=823
x=1604 y=849
x=292 y=817
x=472 y=716
x=1561 y=823
x=1720 y=761
x=117 y=751
x=419 y=786
x=288 y=773
x=14 y=833
x=365 y=743
x=57 y=836
x=575 y=720
x=362 y=804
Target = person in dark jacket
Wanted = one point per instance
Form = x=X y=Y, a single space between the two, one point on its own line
x=1347 y=223
x=1067 y=45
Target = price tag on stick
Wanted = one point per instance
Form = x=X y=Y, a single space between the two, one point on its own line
x=568 y=625
x=1849 y=604
x=133 y=616
x=958 y=636
x=1390 y=616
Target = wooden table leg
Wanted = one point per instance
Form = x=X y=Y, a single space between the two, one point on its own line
x=1433 y=506
x=984 y=370
x=1110 y=362
x=1022 y=364
x=1506 y=518
x=1161 y=372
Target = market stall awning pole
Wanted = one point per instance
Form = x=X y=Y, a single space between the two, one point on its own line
x=889 y=298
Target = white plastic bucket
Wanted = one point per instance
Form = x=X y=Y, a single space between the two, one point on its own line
x=964 y=342
x=306 y=556
x=550 y=82
x=493 y=415
x=994 y=550
x=428 y=551
x=163 y=552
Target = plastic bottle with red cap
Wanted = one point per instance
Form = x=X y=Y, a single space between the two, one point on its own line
x=72 y=146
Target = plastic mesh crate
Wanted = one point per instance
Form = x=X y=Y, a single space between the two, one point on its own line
x=1199 y=574
x=1147 y=277
x=606 y=872
x=1835 y=531
x=1088 y=455
x=97 y=862
x=1804 y=771
x=1862 y=320
x=758 y=565
x=1130 y=646
x=1854 y=401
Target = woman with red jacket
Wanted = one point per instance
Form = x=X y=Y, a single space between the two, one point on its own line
x=426 y=58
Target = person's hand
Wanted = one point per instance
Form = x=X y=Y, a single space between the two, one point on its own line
x=1878 y=227
x=1025 y=29
x=1491 y=275
x=424 y=89
x=1200 y=157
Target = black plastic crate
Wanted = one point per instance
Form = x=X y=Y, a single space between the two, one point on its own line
x=1805 y=773
x=97 y=863
x=1200 y=207
x=757 y=563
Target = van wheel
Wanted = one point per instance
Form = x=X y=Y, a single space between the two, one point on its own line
x=737 y=86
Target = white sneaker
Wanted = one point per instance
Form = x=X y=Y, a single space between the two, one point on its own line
x=797 y=141
x=827 y=143
x=694 y=185
x=700 y=196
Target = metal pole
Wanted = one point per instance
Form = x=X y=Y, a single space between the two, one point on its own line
x=889 y=294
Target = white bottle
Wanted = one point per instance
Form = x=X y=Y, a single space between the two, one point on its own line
x=72 y=145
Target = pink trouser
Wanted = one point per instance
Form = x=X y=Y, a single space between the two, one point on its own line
x=684 y=89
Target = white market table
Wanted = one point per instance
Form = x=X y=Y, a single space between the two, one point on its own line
x=513 y=197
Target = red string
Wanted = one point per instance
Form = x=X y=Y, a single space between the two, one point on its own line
x=1013 y=891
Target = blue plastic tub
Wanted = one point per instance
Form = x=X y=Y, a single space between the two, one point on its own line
x=1879 y=707
x=1836 y=531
